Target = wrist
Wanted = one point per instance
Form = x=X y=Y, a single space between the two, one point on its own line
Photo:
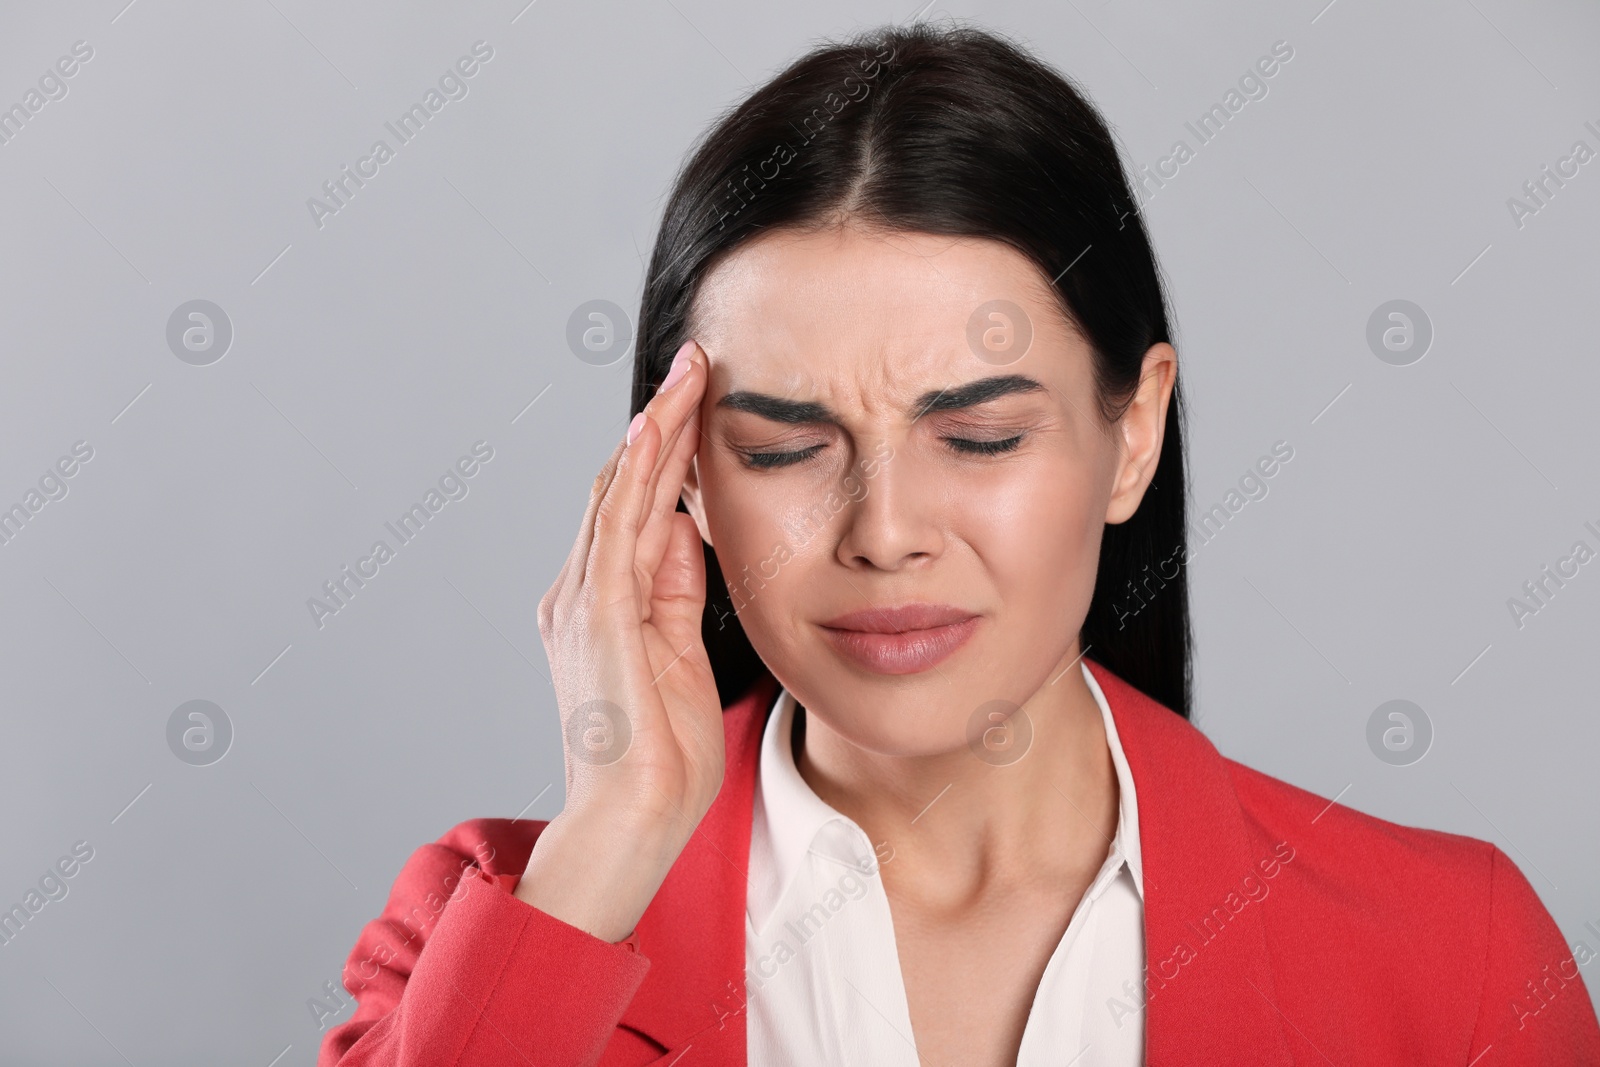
x=599 y=870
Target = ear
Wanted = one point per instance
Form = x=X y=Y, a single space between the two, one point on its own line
x=1142 y=428
x=692 y=501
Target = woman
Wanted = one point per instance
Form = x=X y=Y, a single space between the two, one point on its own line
x=873 y=662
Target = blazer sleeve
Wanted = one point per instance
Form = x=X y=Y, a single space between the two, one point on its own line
x=1535 y=1009
x=458 y=972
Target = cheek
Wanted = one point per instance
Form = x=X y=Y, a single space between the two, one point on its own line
x=760 y=535
x=1037 y=527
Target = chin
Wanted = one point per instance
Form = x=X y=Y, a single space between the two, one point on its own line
x=892 y=719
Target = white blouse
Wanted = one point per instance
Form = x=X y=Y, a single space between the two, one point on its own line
x=823 y=981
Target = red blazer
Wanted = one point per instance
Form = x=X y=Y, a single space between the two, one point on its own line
x=1278 y=930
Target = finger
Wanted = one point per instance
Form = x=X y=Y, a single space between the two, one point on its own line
x=677 y=608
x=673 y=408
x=667 y=417
x=666 y=481
x=608 y=574
x=678 y=597
x=668 y=410
x=667 y=489
x=577 y=557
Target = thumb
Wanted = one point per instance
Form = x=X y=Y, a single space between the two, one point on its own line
x=678 y=592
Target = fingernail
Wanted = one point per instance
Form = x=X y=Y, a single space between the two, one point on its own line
x=635 y=426
x=680 y=367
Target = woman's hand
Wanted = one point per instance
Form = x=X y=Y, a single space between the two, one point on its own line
x=641 y=718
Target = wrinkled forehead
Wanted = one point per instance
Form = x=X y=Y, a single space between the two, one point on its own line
x=870 y=315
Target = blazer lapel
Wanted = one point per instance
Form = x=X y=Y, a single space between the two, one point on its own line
x=692 y=999
x=1209 y=989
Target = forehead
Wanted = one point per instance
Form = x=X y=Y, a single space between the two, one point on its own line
x=843 y=308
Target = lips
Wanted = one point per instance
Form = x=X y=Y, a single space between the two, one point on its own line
x=899 y=620
x=902 y=640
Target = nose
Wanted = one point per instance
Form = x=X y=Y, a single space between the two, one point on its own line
x=893 y=518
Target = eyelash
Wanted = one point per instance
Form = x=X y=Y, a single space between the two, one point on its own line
x=773 y=460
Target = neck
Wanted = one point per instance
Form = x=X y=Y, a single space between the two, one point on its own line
x=955 y=825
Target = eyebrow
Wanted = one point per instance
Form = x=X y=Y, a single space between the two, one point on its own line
x=950 y=398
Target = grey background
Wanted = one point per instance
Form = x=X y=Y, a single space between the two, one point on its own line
x=431 y=312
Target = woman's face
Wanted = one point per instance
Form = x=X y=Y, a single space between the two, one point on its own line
x=862 y=453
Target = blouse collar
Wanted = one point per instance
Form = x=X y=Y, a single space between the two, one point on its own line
x=789 y=819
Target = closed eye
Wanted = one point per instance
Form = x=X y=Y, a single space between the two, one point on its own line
x=770 y=460
x=984 y=448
